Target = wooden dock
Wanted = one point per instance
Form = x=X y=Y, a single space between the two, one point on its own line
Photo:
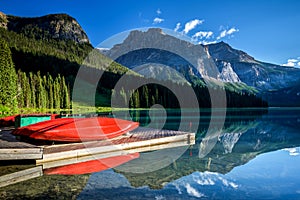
x=13 y=149
x=51 y=156
x=139 y=140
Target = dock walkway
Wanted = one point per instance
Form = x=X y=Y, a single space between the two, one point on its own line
x=51 y=156
x=139 y=140
x=13 y=149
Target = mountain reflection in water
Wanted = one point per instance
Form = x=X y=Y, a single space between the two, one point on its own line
x=244 y=163
x=255 y=155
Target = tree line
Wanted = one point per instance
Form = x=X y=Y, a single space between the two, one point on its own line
x=42 y=91
x=46 y=71
x=151 y=94
x=8 y=77
x=29 y=90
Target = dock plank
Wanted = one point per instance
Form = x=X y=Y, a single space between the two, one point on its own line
x=20 y=176
x=21 y=156
x=13 y=149
x=140 y=140
x=7 y=140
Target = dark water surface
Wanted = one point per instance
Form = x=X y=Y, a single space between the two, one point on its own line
x=254 y=155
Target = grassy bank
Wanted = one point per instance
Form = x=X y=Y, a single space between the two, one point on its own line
x=78 y=109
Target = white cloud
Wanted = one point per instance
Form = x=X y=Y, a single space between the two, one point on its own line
x=225 y=33
x=231 y=31
x=292 y=151
x=204 y=37
x=222 y=34
x=191 y=25
x=193 y=192
x=205 y=182
x=178 y=26
x=203 y=179
x=204 y=42
x=158 y=11
x=203 y=34
x=158 y=20
x=289 y=64
x=160 y=197
x=211 y=178
x=292 y=62
x=228 y=183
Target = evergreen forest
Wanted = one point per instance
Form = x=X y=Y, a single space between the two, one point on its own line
x=39 y=73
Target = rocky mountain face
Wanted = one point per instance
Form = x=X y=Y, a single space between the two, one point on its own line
x=3 y=20
x=218 y=61
x=54 y=26
x=154 y=46
x=222 y=51
x=279 y=85
x=263 y=76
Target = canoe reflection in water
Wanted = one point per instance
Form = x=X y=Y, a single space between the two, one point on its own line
x=86 y=165
x=92 y=165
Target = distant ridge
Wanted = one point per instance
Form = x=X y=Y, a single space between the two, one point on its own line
x=273 y=82
x=53 y=26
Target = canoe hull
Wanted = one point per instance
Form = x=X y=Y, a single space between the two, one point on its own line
x=76 y=129
x=7 y=121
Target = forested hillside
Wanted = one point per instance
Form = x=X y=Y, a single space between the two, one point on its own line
x=39 y=70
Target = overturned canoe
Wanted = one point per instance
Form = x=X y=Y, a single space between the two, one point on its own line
x=7 y=121
x=77 y=129
x=91 y=166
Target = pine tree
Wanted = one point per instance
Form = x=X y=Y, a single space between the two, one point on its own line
x=27 y=92
x=123 y=96
x=44 y=92
x=136 y=99
x=33 y=90
x=64 y=94
x=50 y=91
x=145 y=95
x=21 y=85
x=39 y=91
x=8 y=77
x=56 y=92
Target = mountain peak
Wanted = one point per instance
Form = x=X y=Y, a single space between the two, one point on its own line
x=155 y=46
x=3 y=20
x=155 y=30
x=223 y=51
x=54 y=26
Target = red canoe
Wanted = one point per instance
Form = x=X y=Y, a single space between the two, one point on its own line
x=77 y=129
x=91 y=166
x=7 y=121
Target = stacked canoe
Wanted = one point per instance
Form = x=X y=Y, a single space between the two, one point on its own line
x=7 y=121
x=77 y=129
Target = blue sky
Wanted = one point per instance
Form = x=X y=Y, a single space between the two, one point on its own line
x=266 y=29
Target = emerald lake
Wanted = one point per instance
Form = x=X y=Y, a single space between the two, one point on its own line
x=245 y=154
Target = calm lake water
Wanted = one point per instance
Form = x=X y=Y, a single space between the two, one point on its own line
x=250 y=154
